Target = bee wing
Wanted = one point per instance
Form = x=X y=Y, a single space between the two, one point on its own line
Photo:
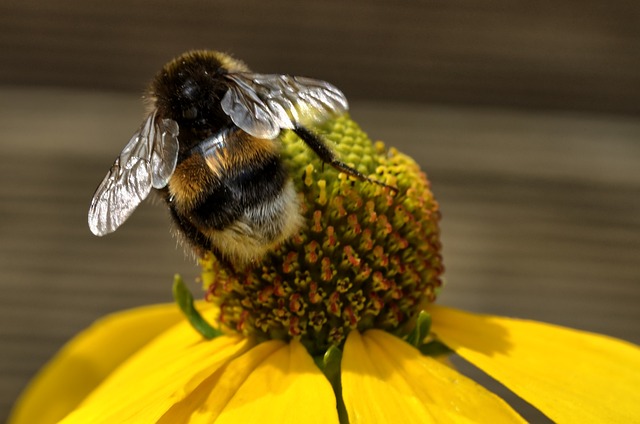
x=214 y=146
x=262 y=104
x=147 y=161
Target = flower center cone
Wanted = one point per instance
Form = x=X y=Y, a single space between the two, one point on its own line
x=366 y=256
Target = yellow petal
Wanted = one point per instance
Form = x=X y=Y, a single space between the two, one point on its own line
x=273 y=382
x=287 y=387
x=570 y=375
x=206 y=403
x=385 y=379
x=87 y=359
x=159 y=376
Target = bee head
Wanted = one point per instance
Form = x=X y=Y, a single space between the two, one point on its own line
x=189 y=90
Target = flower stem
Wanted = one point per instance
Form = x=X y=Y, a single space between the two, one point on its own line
x=330 y=366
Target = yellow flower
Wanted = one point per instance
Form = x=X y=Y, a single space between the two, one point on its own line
x=335 y=325
x=569 y=375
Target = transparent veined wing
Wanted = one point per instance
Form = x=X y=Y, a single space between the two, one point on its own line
x=263 y=104
x=148 y=160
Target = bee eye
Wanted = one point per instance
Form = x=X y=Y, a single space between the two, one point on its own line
x=190 y=113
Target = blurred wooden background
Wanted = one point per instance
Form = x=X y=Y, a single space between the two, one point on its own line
x=525 y=117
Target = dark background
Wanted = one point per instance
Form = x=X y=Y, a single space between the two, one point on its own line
x=524 y=115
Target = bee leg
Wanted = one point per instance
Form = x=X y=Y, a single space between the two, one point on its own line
x=319 y=147
x=226 y=263
x=194 y=237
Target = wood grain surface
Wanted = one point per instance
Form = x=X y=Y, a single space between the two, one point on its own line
x=525 y=117
x=567 y=54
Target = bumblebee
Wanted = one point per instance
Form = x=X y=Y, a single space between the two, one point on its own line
x=209 y=146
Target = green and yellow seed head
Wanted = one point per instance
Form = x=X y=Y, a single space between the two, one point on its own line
x=366 y=257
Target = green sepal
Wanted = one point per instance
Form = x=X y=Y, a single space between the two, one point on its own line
x=329 y=364
x=421 y=330
x=184 y=299
x=435 y=348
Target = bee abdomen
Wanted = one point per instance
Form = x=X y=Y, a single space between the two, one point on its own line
x=231 y=195
x=243 y=213
x=259 y=228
